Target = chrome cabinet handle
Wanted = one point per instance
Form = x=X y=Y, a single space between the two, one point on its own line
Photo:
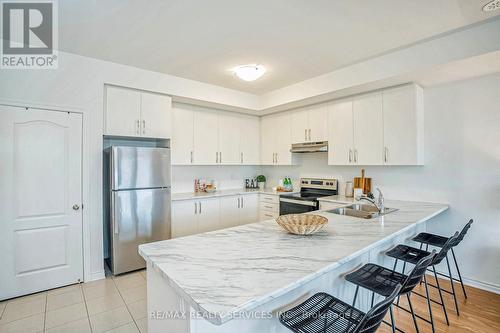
x=386 y=154
x=238 y=202
x=309 y=134
x=350 y=155
x=305 y=134
x=355 y=155
x=241 y=202
x=199 y=207
x=143 y=127
x=195 y=207
x=138 y=126
x=241 y=158
x=220 y=157
x=276 y=158
x=216 y=157
x=191 y=156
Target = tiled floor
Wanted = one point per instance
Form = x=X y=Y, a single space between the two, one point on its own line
x=116 y=304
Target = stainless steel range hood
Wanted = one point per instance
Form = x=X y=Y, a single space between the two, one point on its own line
x=310 y=147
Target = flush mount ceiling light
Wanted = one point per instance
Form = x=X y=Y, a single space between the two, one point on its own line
x=491 y=6
x=249 y=72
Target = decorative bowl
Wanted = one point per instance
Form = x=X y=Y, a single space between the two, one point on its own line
x=302 y=224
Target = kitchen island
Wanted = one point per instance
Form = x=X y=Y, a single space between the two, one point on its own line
x=239 y=279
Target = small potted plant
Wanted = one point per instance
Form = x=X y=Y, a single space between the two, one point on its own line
x=261 y=180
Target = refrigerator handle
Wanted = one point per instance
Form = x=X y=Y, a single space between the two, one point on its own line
x=113 y=214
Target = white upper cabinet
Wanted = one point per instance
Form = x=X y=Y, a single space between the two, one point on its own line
x=384 y=128
x=310 y=124
x=156 y=115
x=229 y=138
x=276 y=139
x=182 y=143
x=403 y=126
x=134 y=113
x=206 y=137
x=209 y=137
x=123 y=112
x=341 y=136
x=249 y=140
x=368 y=130
x=299 y=126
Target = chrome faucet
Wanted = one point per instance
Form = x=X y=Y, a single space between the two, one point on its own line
x=380 y=201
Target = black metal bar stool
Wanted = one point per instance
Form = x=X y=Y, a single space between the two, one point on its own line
x=412 y=255
x=325 y=313
x=382 y=281
x=439 y=241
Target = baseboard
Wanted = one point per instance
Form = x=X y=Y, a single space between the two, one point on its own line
x=494 y=288
x=97 y=276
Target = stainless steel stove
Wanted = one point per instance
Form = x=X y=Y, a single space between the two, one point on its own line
x=307 y=199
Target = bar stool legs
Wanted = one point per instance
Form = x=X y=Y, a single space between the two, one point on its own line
x=452 y=285
x=429 y=303
x=412 y=312
x=393 y=323
x=441 y=295
x=458 y=271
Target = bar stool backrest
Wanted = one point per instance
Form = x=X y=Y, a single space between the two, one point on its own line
x=444 y=250
x=417 y=273
x=373 y=318
x=462 y=233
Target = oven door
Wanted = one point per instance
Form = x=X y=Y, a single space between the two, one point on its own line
x=292 y=206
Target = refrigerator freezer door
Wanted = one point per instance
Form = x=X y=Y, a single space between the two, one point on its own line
x=137 y=217
x=139 y=167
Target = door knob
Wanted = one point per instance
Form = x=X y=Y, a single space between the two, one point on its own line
x=76 y=207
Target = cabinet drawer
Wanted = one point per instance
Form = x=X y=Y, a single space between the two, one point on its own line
x=269 y=198
x=269 y=207
x=267 y=215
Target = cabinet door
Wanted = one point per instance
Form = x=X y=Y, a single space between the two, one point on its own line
x=249 y=211
x=299 y=126
x=229 y=139
x=283 y=139
x=368 y=130
x=267 y=143
x=123 y=112
x=318 y=123
x=401 y=122
x=208 y=215
x=205 y=137
x=183 y=218
x=182 y=136
x=156 y=116
x=229 y=211
x=249 y=140
x=340 y=138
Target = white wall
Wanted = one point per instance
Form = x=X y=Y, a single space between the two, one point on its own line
x=462 y=168
x=78 y=84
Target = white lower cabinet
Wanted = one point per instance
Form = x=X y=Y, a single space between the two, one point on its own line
x=269 y=206
x=195 y=216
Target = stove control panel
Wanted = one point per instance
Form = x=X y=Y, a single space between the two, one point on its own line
x=319 y=183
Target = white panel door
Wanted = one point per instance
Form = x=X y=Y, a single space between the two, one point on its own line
x=299 y=126
x=206 y=137
x=229 y=211
x=229 y=139
x=249 y=140
x=341 y=135
x=318 y=123
x=267 y=141
x=184 y=218
x=208 y=215
x=249 y=211
x=182 y=136
x=156 y=116
x=368 y=130
x=123 y=112
x=40 y=200
x=283 y=139
x=400 y=126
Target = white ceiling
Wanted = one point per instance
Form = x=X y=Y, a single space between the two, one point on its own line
x=294 y=39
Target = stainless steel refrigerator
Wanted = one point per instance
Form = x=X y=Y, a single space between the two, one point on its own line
x=138 y=208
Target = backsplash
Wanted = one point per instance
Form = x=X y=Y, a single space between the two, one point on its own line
x=225 y=177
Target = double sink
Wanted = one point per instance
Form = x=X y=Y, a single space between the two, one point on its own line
x=362 y=211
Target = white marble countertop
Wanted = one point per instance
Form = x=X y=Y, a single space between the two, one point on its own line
x=223 y=193
x=224 y=272
x=338 y=199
